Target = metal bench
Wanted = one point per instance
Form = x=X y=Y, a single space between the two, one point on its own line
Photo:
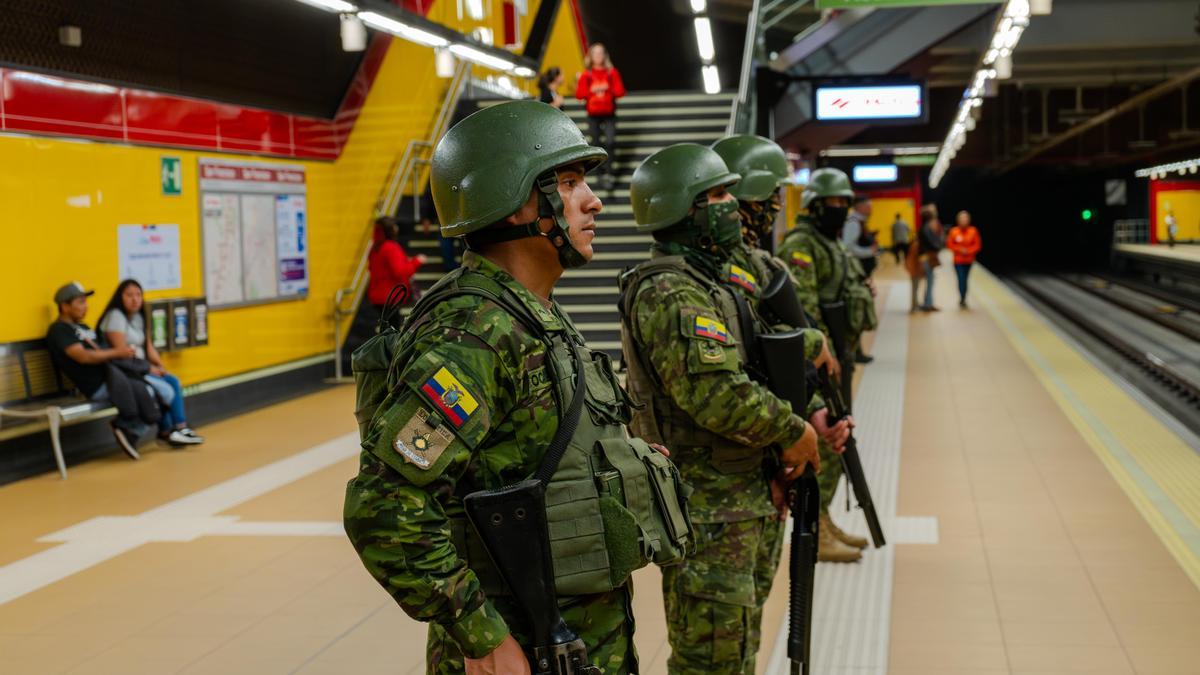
x=36 y=396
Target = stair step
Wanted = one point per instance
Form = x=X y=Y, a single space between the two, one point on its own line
x=715 y=111
x=717 y=123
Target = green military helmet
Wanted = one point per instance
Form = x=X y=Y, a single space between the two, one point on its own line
x=485 y=166
x=665 y=186
x=827 y=182
x=761 y=162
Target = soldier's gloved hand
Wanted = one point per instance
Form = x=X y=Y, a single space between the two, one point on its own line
x=836 y=434
x=827 y=360
x=871 y=285
x=665 y=452
x=506 y=659
x=803 y=451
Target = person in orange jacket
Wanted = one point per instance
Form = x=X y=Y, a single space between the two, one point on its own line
x=599 y=88
x=964 y=241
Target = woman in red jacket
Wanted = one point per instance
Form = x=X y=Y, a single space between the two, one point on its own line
x=964 y=241
x=388 y=263
x=599 y=87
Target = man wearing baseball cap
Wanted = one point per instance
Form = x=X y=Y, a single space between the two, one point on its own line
x=77 y=355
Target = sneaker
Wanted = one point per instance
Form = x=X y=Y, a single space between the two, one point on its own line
x=178 y=438
x=125 y=442
x=187 y=431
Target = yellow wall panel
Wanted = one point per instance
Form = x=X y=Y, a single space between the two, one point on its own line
x=883 y=214
x=61 y=201
x=1185 y=205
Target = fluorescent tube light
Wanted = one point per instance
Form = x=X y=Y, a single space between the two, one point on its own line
x=481 y=57
x=698 y=6
x=522 y=71
x=704 y=39
x=403 y=30
x=712 y=80
x=339 y=6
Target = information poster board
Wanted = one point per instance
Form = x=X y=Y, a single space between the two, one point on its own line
x=254 y=220
x=149 y=254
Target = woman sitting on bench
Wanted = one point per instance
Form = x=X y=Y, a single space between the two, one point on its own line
x=123 y=324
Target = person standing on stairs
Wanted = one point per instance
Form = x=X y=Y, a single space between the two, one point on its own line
x=599 y=88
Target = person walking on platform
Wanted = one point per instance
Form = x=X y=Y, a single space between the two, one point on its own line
x=489 y=385
x=599 y=87
x=837 y=293
x=923 y=257
x=684 y=345
x=964 y=241
x=900 y=238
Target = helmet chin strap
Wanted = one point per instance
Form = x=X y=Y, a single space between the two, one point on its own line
x=550 y=205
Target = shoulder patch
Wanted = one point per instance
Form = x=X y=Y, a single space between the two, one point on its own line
x=711 y=328
x=419 y=442
x=450 y=397
x=743 y=278
x=801 y=259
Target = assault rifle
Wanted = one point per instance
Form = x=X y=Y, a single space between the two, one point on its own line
x=850 y=458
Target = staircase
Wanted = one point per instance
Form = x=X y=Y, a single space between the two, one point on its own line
x=647 y=122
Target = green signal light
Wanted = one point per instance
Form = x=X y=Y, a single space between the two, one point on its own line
x=1087 y=214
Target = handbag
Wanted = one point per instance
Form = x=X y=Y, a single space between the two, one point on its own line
x=134 y=367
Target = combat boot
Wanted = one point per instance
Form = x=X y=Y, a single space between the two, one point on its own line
x=831 y=549
x=845 y=537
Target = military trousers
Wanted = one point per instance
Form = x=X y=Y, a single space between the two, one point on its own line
x=714 y=599
x=604 y=621
x=831 y=473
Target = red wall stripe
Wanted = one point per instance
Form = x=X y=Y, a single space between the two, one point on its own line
x=583 y=40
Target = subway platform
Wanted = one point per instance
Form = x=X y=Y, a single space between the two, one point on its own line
x=1042 y=517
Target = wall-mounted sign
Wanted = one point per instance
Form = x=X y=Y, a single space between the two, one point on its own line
x=876 y=173
x=255 y=225
x=171 y=174
x=149 y=254
x=897 y=103
x=199 y=307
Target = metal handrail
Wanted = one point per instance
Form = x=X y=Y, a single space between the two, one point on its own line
x=409 y=169
x=739 y=101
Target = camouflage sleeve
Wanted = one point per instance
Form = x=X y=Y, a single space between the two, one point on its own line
x=695 y=356
x=797 y=252
x=445 y=400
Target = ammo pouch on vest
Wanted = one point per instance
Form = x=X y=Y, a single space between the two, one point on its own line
x=613 y=504
x=861 y=309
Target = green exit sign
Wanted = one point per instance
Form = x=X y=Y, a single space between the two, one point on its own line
x=171 y=171
x=842 y=4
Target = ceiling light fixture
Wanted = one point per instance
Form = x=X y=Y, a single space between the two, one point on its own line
x=712 y=79
x=1161 y=171
x=698 y=6
x=403 y=30
x=1013 y=21
x=338 y=6
x=704 y=39
x=481 y=57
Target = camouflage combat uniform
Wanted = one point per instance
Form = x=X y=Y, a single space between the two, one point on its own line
x=818 y=265
x=398 y=514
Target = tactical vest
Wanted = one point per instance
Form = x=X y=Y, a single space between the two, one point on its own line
x=659 y=419
x=614 y=504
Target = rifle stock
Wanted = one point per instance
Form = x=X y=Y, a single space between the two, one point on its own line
x=851 y=460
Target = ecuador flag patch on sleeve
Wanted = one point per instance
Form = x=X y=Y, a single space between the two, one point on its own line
x=743 y=278
x=450 y=397
x=711 y=328
x=801 y=259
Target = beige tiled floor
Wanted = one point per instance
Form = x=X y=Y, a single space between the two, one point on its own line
x=1043 y=564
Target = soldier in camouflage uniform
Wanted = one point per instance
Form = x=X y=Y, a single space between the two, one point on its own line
x=683 y=346
x=470 y=393
x=826 y=273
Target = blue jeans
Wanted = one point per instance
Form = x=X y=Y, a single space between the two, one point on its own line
x=962 y=271
x=928 y=283
x=170 y=392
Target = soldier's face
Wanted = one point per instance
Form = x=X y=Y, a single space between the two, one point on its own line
x=719 y=194
x=580 y=206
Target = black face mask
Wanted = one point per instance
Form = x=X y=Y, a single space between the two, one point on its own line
x=829 y=219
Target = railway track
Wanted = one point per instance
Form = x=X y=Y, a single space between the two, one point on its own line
x=1172 y=313
x=1164 y=354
